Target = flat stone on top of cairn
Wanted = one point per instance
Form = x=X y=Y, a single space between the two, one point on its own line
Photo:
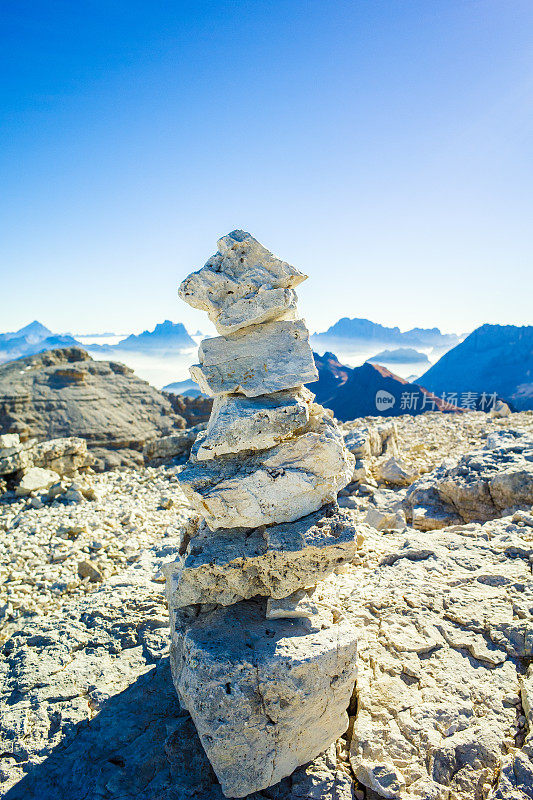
x=265 y=695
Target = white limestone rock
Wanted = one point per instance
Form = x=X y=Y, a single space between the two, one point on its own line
x=257 y=360
x=64 y=456
x=385 y=519
x=282 y=484
x=15 y=456
x=265 y=695
x=320 y=604
x=443 y=624
x=36 y=479
x=298 y=605
x=242 y=284
x=395 y=471
x=369 y=440
x=9 y=442
x=501 y=410
x=231 y=565
x=240 y=423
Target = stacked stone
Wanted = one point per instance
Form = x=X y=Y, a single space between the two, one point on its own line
x=260 y=656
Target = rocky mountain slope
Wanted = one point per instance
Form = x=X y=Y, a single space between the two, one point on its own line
x=195 y=409
x=368 y=390
x=494 y=358
x=442 y=706
x=65 y=393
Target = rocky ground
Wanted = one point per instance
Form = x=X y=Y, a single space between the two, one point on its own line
x=443 y=705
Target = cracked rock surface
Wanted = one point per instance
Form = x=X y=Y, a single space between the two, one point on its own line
x=442 y=620
x=242 y=284
x=240 y=423
x=445 y=635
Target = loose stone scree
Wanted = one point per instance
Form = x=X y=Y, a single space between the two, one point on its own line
x=261 y=659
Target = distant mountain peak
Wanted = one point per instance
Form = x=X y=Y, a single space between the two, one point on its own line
x=165 y=335
x=168 y=327
x=364 y=330
x=33 y=338
x=34 y=329
x=406 y=355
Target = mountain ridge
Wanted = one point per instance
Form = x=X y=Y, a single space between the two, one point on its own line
x=360 y=329
x=370 y=390
x=493 y=358
x=166 y=335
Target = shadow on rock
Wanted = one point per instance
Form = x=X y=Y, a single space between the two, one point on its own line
x=140 y=745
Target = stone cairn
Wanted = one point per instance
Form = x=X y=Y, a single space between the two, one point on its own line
x=261 y=657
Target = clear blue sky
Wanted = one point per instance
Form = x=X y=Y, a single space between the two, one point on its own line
x=382 y=146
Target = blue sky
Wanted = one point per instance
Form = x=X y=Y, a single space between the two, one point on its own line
x=382 y=146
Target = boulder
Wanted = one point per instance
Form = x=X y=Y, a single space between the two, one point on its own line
x=231 y=565
x=369 y=440
x=282 y=484
x=240 y=423
x=36 y=479
x=175 y=445
x=87 y=569
x=65 y=456
x=479 y=486
x=385 y=519
x=257 y=360
x=65 y=393
x=9 y=443
x=500 y=410
x=242 y=284
x=16 y=457
x=265 y=695
x=395 y=471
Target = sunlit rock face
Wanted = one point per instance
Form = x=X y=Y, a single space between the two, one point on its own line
x=271 y=486
x=275 y=561
x=257 y=360
x=265 y=695
x=267 y=681
x=241 y=423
